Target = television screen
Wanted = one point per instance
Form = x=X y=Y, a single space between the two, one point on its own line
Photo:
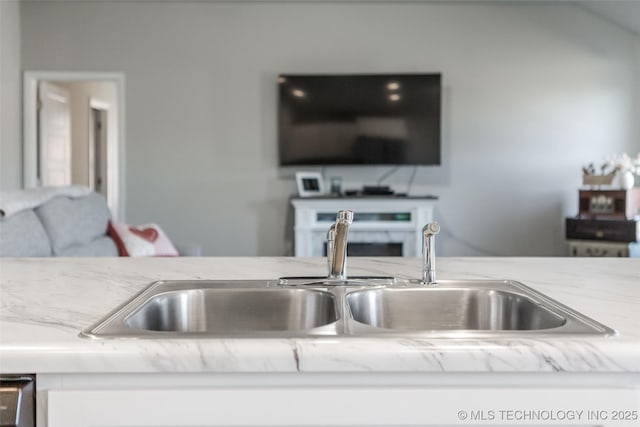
x=382 y=119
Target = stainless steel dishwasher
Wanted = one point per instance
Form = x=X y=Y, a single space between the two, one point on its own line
x=17 y=400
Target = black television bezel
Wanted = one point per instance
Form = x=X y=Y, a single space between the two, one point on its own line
x=390 y=75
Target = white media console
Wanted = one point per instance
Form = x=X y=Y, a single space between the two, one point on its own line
x=383 y=226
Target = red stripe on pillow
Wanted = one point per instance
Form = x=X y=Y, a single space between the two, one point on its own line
x=122 y=249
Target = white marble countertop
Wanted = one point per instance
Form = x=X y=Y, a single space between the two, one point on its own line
x=45 y=303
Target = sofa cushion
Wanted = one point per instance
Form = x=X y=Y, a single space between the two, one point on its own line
x=22 y=235
x=74 y=222
x=102 y=246
x=144 y=240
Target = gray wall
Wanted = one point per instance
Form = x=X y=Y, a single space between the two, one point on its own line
x=532 y=92
x=10 y=95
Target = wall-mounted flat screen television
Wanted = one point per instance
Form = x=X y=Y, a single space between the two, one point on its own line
x=377 y=119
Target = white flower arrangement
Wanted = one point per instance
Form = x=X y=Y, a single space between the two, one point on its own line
x=624 y=163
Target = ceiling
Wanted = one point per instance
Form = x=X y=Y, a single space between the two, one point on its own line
x=625 y=13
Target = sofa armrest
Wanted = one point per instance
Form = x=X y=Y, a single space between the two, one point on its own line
x=189 y=249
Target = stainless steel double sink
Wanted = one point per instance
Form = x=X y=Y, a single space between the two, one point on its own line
x=305 y=307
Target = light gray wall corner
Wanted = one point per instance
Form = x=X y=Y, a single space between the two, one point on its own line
x=533 y=90
x=637 y=97
x=10 y=96
x=624 y=13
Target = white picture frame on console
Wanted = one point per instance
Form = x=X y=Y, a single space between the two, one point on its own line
x=310 y=184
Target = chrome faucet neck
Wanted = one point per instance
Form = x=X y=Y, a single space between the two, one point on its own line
x=337 y=245
x=331 y=237
x=429 y=253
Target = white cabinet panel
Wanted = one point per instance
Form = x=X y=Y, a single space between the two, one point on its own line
x=343 y=406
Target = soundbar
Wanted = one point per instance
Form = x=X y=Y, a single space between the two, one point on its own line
x=377 y=190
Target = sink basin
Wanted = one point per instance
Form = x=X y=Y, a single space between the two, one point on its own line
x=305 y=306
x=478 y=306
x=450 y=309
x=235 y=310
x=219 y=308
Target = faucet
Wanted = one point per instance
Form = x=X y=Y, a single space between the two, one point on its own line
x=337 y=245
x=429 y=253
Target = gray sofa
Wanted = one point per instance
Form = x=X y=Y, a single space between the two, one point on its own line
x=63 y=226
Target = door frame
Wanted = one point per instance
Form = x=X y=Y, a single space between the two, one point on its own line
x=30 y=124
x=105 y=107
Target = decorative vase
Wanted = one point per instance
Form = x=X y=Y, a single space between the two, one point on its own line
x=626 y=180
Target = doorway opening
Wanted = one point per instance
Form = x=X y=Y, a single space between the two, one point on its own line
x=74 y=133
x=54 y=134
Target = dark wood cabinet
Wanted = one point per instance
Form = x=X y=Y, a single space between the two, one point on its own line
x=609 y=203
